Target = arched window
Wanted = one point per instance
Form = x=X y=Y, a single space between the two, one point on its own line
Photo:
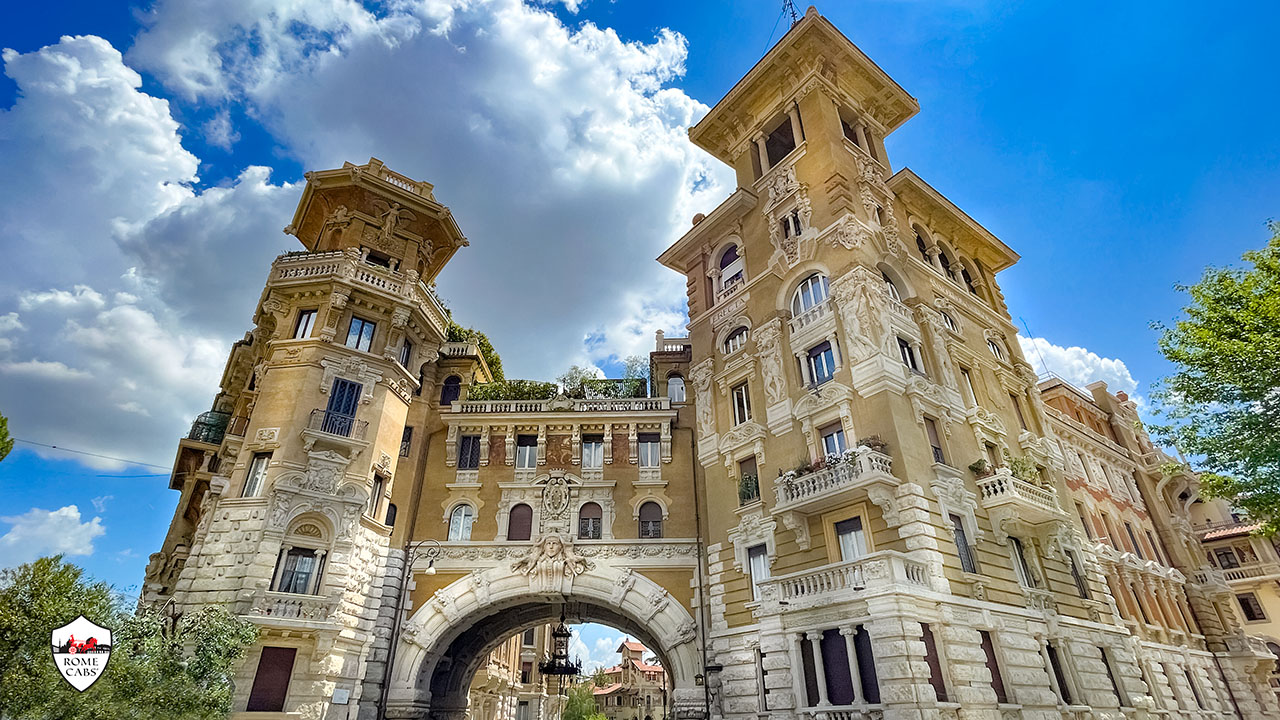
x=893 y=288
x=968 y=281
x=923 y=248
x=590 y=521
x=520 y=522
x=735 y=341
x=300 y=566
x=1275 y=650
x=675 y=388
x=651 y=520
x=946 y=263
x=391 y=515
x=460 y=522
x=731 y=268
x=450 y=390
x=810 y=294
x=949 y=321
x=995 y=349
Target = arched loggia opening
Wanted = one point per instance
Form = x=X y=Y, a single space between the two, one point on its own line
x=449 y=638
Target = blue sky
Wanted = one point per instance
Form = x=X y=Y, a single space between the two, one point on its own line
x=1118 y=147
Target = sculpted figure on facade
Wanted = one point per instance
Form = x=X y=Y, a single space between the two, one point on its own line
x=860 y=301
x=701 y=377
x=768 y=337
x=549 y=564
x=932 y=321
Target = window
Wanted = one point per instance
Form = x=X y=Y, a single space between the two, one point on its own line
x=1251 y=607
x=257 y=473
x=891 y=286
x=993 y=665
x=300 y=572
x=1082 y=588
x=935 y=663
x=648 y=446
x=390 y=520
x=1133 y=540
x=1226 y=558
x=923 y=248
x=450 y=390
x=526 y=452
x=935 y=443
x=735 y=341
x=851 y=539
x=340 y=413
x=791 y=224
x=520 y=522
x=1017 y=410
x=1059 y=676
x=780 y=141
x=946 y=264
x=962 y=544
x=651 y=520
x=592 y=452
x=375 y=497
x=306 y=323
x=741 y=404
x=968 y=282
x=758 y=567
x=1088 y=531
x=460 y=522
x=995 y=349
x=1155 y=548
x=822 y=363
x=810 y=294
x=526 y=675
x=675 y=388
x=590 y=521
x=731 y=269
x=966 y=382
x=271 y=681
x=1020 y=564
x=529 y=638
x=949 y=321
x=833 y=442
x=908 y=355
x=406 y=441
x=360 y=334
x=406 y=353
x=468 y=452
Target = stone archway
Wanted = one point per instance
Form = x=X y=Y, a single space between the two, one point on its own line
x=446 y=640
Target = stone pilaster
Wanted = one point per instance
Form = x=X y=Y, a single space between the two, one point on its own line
x=966 y=666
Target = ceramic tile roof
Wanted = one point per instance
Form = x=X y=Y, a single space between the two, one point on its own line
x=1232 y=531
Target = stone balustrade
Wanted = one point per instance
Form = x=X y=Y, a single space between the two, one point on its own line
x=648 y=404
x=287 y=609
x=844 y=712
x=1252 y=572
x=812 y=316
x=866 y=468
x=841 y=581
x=1032 y=503
x=308 y=265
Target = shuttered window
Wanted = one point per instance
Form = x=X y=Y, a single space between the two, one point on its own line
x=520 y=522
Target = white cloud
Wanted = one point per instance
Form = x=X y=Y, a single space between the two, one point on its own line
x=38 y=532
x=42 y=370
x=219 y=132
x=79 y=297
x=1078 y=366
x=562 y=151
x=100 y=502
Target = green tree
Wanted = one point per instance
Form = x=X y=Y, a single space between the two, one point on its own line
x=1222 y=403
x=457 y=333
x=575 y=377
x=600 y=678
x=635 y=367
x=6 y=442
x=581 y=703
x=156 y=670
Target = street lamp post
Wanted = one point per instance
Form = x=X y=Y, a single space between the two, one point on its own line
x=430 y=549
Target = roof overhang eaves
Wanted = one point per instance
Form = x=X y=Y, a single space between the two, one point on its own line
x=733 y=207
x=996 y=254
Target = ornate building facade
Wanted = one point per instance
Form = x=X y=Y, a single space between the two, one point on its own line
x=844 y=495
x=635 y=688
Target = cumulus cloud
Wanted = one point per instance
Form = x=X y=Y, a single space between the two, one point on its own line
x=219 y=132
x=1078 y=366
x=562 y=151
x=39 y=532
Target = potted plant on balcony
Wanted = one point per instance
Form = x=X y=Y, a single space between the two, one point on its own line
x=1022 y=468
x=748 y=489
x=981 y=468
x=875 y=442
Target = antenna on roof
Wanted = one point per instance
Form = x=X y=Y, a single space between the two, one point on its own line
x=1035 y=344
x=790 y=7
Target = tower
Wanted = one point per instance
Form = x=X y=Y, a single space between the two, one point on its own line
x=286 y=514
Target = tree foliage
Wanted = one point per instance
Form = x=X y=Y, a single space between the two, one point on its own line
x=1222 y=403
x=156 y=670
x=457 y=333
x=581 y=703
x=6 y=442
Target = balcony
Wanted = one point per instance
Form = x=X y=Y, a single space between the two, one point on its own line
x=289 y=610
x=1029 y=503
x=806 y=321
x=576 y=405
x=210 y=427
x=730 y=289
x=1252 y=573
x=333 y=428
x=828 y=487
x=843 y=581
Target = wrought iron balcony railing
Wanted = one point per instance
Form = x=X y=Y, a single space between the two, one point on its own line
x=210 y=427
x=338 y=424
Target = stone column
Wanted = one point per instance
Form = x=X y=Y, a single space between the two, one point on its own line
x=835 y=351
x=851 y=650
x=804 y=368
x=797 y=671
x=797 y=132
x=764 y=154
x=819 y=666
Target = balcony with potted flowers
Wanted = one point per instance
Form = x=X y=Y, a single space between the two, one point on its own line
x=829 y=482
